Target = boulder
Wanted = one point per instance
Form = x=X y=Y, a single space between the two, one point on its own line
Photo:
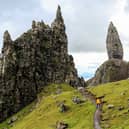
x=63 y=107
x=76 y=100
x=12 y=119
x=110 y=106
x=121 y=108
x=61 y=125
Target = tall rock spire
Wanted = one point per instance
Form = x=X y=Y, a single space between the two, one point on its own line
x=115 y=68
x=59 y=21
x=7 y=36
x=6 y=41
x=59 y=14
x=34 y=24
x=114 y=45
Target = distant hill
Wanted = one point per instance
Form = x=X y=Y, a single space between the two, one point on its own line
x=87 y=75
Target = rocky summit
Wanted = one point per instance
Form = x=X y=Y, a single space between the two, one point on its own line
x=115 y=68
x=35 y=59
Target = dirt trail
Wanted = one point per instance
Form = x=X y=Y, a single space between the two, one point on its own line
x=97 y=119
x=97 y=114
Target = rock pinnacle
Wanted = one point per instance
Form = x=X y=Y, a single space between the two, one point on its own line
x=6 y=41
x=59 y=21
x=59 y=14
x=114 y=45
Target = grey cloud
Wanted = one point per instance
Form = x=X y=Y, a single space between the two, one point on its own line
x=16 y=16
x=86 y=26
x=24 y=4
x=127 y=7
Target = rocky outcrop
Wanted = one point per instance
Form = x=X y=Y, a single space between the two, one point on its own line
x=110 y=71
x=35 y=59
x=115 y=68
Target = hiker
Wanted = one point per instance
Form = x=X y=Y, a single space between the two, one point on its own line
x=98 y=102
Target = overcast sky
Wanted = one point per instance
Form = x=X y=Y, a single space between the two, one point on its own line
x=86 y=25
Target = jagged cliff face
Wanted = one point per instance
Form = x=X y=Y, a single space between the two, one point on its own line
x=35 y=59
x=115 y=68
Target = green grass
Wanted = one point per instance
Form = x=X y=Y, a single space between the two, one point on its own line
x=46 y=112
x=116 y=93
x=20 y=115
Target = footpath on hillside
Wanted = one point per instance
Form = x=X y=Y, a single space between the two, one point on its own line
x=97 y=114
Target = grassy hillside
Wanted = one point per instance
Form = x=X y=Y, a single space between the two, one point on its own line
x=116 y=107
x=44 y=113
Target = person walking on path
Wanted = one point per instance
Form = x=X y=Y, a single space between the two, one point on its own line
x=98 y=103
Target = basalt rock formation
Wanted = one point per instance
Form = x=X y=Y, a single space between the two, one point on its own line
x=115 y=68
x=38 y=57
